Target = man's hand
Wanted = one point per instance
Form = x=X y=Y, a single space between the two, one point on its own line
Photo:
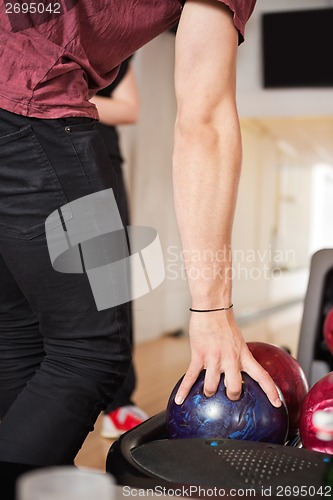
x=218 y=346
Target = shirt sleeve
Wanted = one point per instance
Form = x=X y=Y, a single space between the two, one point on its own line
x=242 y=10
x=107 y=91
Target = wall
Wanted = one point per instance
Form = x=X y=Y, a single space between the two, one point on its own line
x=272 y=222
x=321 y=233
x=254 y=218
x=148 y=149
x=253 y=100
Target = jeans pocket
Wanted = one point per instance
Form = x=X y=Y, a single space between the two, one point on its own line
x=79 y=124
x=29 y=187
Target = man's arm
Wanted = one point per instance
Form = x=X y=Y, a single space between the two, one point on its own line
x=206 y=170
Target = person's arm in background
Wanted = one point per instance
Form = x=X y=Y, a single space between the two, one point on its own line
x=123 y=106
x=206 y=170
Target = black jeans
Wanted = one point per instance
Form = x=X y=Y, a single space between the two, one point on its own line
x=110 y=138
x=61 y=360
x=125 y=393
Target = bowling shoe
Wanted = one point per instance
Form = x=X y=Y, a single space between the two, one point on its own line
x=121 y=420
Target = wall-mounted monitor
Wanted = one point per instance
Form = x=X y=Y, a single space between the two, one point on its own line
x=297 y=48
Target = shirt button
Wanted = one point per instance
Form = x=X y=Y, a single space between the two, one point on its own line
x=68 y=129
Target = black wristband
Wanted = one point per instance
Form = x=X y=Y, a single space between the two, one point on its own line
x=211 y=310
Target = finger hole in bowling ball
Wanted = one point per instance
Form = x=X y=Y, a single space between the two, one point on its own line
x=240 y=396
x=225 y=389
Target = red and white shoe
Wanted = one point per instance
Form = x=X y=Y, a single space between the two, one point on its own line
x=121 y=420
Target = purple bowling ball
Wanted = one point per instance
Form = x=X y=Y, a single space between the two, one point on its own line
x=251 y=418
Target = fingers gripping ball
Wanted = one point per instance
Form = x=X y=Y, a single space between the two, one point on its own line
x=252 y=417
x=328 y=330
x=287 y=375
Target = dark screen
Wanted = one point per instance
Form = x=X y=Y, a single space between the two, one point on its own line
x=297 y=48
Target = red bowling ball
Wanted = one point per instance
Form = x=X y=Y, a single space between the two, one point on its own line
x=328 y=330
x=319 y=398
x=288 y=376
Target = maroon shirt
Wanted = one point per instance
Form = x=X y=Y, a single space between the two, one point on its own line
x=52 y=63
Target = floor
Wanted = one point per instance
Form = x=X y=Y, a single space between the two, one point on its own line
x=159 y=365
